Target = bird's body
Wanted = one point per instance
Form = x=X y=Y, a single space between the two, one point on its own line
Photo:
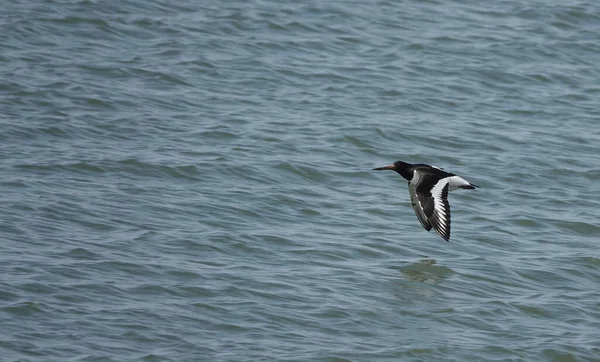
x=428 y=187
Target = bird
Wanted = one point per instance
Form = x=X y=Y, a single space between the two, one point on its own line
x=428 y=187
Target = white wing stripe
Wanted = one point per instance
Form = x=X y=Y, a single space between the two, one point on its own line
x=440 y=212
x=436 y=191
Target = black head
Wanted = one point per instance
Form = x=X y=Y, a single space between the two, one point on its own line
x=402 y=168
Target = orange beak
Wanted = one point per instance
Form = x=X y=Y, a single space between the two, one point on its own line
x=390 y=167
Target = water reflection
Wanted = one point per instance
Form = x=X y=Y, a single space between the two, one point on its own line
x=425 y=270
x=419 y=280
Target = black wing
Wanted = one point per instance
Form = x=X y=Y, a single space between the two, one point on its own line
x=418 y=202
x=429 y=196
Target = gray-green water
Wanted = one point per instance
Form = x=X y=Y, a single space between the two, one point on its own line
x=191 y=181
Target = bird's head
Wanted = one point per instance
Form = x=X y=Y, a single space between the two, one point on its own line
x=401 y=167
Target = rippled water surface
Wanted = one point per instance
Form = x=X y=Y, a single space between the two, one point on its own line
x=191 y=181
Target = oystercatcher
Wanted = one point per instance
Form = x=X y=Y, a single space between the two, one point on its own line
x=428 y=187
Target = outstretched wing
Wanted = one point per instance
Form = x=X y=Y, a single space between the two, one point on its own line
x=440 y=219
x=429 y=197
x=418 y=201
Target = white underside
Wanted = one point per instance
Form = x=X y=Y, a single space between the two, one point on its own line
x=455 y=182
x=416 y=177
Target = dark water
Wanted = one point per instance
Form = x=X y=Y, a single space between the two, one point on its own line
x=191 y=181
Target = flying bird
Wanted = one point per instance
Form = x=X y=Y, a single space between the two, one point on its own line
x=428 y=187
